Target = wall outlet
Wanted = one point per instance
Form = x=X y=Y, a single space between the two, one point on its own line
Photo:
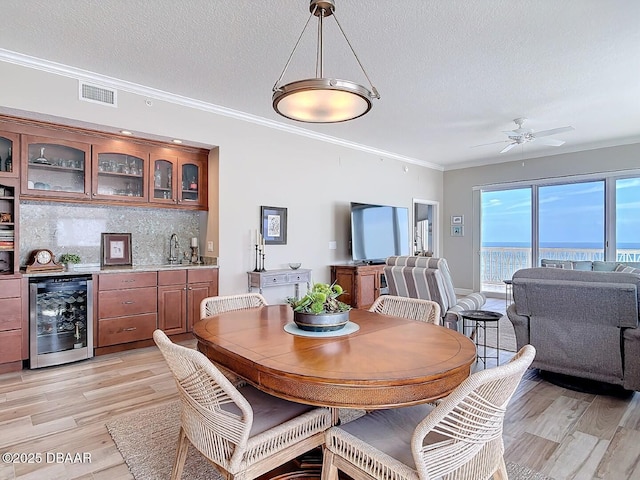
x=209 y=246
x=333 y=245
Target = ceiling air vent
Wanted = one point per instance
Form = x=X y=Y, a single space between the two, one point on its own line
x=96 y=94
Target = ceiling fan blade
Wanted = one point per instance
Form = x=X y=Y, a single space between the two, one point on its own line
x=508 y=147
x=553 y=131
x=492 y=143
x=551 y=142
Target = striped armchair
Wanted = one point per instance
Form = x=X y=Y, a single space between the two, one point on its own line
x=429 y=278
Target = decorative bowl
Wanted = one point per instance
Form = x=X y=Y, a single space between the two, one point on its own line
x=294 y=266
x=321 y=322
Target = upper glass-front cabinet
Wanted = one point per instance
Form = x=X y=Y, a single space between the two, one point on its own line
x=193 y=188
x=119 y=172
x=55 y=168
x=163 y=178
x=8 y=146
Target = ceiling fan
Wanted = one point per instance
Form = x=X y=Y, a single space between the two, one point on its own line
x=524 y=135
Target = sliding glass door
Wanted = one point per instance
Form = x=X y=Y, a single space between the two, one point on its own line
x=505 y=236
x=571 y=221
x=628 y=219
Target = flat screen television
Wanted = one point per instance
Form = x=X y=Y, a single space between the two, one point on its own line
x=378 y=232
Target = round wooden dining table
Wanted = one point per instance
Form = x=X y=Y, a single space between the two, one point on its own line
x=388 y=362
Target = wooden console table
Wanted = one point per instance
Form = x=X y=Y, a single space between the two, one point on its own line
x=274 y=278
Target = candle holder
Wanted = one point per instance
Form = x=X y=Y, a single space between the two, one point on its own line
x=262 y=269
x=257 y=259
x=195 y=258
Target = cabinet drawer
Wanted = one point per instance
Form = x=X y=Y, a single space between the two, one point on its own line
x=299 y=277
x=9 y=288
x=172 y=277
x=10 y=346
x=274 y=280
x=202 y=275
x=11 y=309
x=127 y=329
x=119 y=281
x=118 y=303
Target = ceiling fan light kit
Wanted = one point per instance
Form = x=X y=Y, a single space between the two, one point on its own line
x=320 y=99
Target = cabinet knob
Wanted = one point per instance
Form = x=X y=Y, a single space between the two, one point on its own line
x=130 y=329
x=128 y=302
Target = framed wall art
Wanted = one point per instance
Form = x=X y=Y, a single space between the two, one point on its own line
x=457 y=219
x=273 y=225
x=115 y=249
x=457 y=231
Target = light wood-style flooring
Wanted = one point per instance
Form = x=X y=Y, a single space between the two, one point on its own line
x=562 y=433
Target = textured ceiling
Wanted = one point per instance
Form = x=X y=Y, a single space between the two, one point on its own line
x=452 y=74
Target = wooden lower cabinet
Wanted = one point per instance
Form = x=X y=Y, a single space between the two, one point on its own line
x=362 y=284
x=132 y=305
x=127 y=307
x=179 y=295
x=13 y=335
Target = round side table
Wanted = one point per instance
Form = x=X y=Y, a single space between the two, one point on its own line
x=483 y=319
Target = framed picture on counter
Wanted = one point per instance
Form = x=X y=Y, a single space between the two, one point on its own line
x=115 y=249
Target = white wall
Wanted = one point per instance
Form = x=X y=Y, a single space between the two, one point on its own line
x=256 y=165
x=458 y=199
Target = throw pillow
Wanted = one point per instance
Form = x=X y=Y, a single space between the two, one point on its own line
x=623 y=268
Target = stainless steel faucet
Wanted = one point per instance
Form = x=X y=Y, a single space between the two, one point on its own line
x=174 y=248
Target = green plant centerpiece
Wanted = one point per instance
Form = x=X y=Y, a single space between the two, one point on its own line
x=320 y=310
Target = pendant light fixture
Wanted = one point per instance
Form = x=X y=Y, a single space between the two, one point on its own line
x=320 y=99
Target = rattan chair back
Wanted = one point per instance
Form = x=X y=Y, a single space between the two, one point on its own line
x=216 y=305
x=405 y=307
x=217 y=419
x=460 y=439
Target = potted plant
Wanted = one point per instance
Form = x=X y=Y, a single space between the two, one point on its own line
x=320 y=310
x=69 y=259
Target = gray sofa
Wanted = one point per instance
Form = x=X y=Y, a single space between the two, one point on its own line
x=582 y=323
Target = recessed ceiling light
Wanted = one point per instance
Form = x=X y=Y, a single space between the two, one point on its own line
x=175 y=140
x=126 y=132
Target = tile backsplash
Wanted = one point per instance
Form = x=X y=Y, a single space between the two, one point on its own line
x=77 y=228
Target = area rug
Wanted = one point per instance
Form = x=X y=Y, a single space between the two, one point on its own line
x=147 y=441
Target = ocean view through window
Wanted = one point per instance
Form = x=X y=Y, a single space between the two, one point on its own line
x=563 y=221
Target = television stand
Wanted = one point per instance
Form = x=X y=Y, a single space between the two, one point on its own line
x=362 y=284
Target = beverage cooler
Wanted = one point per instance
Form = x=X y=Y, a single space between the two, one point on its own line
x=60 y=320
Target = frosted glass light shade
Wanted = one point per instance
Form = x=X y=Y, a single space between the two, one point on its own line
x=322 y=100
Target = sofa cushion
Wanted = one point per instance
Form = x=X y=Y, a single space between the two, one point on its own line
x=599 y=266
x=549 y=263
x=583 y=265
x=625 y=269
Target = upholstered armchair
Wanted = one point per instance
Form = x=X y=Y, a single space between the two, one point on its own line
x=430 y=279
x=583 y=324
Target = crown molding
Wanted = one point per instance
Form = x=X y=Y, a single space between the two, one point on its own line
x=153 y=93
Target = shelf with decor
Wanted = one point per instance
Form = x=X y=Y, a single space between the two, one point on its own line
x=9 y=219
x=119 y=171
x=55 y=168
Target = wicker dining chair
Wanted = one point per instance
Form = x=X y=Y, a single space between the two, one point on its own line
x=405 y=307
x=460 y=438
x=215 y=305
x=243 y=431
